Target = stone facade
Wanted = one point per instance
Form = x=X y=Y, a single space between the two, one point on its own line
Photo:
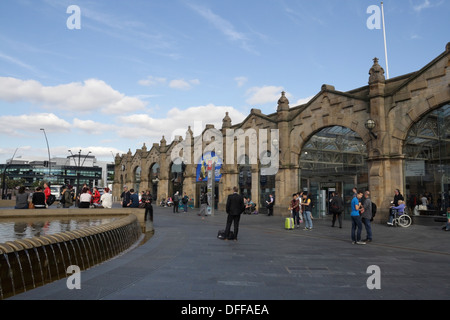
x=394 y=105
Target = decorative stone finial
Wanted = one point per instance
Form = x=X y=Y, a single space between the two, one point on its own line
x=283 y=103
x=163 y=142
x=376 y=72
x=226 y=122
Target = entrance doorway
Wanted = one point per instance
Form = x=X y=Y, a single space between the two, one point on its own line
x=333 y=160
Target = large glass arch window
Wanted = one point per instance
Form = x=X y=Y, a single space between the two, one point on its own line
x=332 y=160
x=427 y=165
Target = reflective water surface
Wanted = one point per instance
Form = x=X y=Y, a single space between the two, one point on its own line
x=29 y=228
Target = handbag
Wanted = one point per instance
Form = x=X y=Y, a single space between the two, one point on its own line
x=31 y=205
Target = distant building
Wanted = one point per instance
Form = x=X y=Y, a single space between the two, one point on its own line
x=388 y=134
x=73 y=170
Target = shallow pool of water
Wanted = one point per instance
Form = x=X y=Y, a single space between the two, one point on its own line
x=10 y=231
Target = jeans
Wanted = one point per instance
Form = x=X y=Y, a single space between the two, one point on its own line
x=308 y=220
x=368 y=227
x=296 y=216
x=356 y=225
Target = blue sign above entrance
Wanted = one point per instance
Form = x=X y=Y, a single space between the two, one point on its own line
x=206 y=162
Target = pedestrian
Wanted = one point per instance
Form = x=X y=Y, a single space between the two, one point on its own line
x=47 y=191
x=185 y=201
x=295 y=208
x=356 y=218
x=22 y=199
x=306 y=209
x=125 y=197
x=270 y=203
x=147 y=201
x=176 y=201
x=38 y=199
x=106 y=199
x=134 y=199
x=203 y=205
x=234 y=208
x=85 y=198
x=397 y=197
x=337 y=208
x=366 y=215
x=67 y=197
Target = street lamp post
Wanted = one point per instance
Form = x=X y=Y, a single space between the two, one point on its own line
x=78 y=166
x=48 y=149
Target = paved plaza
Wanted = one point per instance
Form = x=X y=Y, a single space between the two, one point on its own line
x=185 y=261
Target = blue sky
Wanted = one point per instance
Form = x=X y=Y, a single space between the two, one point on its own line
x=140 y=69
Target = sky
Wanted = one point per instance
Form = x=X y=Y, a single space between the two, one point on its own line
x=108 y=76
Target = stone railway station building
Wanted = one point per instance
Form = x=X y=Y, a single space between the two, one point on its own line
x=387 y=135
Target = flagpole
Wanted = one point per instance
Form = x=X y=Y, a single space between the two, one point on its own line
x=385 y=47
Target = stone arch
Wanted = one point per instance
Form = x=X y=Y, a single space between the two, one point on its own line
x=301 y=134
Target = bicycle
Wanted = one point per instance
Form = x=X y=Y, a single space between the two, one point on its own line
x=403 y=220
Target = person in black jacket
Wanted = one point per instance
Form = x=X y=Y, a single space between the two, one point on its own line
x=38 y=199
x=235 y=207
x=336 y=208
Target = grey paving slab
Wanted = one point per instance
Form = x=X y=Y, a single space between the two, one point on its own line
x=185 y=261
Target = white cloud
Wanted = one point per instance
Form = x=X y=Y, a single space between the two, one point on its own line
x=426 y=5
x=89 y=96
x=93 y=127
x=224 y=26
x=179 y=84
x=23 y=124
x=263 y=95
x=152 y=81
x=176 y=122
x=303 y=100
x=183 y=84
x=241 y=81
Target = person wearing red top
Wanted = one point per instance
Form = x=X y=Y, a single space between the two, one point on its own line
x=96 y=196
x=47 y=191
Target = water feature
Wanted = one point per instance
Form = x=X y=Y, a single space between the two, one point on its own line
x=28 y=262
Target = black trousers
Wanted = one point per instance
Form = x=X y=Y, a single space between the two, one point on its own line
x=175 y=206
x=235 y=220
x=149 y=213
x=339 y=217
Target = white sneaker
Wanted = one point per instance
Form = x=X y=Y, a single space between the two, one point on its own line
x=360 y=242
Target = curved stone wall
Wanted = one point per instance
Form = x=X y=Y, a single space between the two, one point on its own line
x=28 y=263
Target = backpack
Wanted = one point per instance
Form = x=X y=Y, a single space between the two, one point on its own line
x=51 y=199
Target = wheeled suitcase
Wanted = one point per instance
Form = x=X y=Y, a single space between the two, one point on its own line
x=289 y=223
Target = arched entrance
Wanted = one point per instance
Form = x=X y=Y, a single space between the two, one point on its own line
x=332 y=160
x=176 y=177
x=427 y=164
x=245 y=177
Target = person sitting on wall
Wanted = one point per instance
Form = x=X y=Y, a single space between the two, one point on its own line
x=134 y=199
x=85 y=198
x=38 y=199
